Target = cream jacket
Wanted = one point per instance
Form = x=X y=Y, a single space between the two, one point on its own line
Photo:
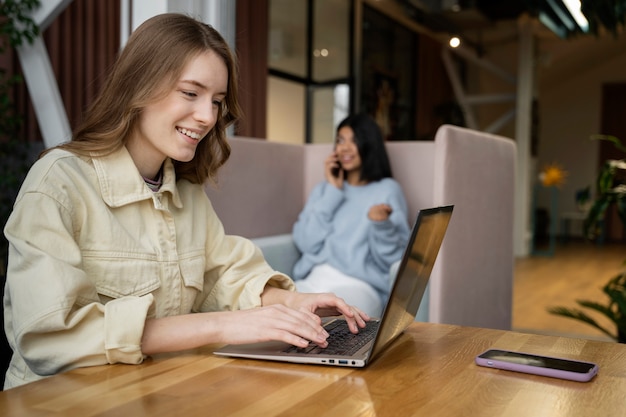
x=93 y=253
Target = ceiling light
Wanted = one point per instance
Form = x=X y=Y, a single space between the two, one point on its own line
x=574 y=8
x=321 y=53
x=455 y=42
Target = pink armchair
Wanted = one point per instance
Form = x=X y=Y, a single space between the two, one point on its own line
x=264 y=185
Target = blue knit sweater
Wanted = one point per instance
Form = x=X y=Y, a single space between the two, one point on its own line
x=334 y=228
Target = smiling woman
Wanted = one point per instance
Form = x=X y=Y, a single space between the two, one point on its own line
x=116 y=252
x=188 y=112
x=354 y=224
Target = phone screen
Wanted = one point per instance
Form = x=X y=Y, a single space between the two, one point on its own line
x=538 y=361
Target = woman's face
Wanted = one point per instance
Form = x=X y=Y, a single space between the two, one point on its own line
x=174 y=125
x=347 y=150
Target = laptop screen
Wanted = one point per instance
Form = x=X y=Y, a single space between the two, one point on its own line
x=413 y=274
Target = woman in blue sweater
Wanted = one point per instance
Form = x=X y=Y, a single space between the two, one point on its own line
x=354 y=224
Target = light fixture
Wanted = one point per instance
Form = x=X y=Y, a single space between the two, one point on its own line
x=563 y=17
x=455 y=42
x=323 y=52
x=573 y=6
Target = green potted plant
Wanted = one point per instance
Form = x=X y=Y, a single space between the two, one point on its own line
x=16 y=27
x=611 y=189
x=16 y=156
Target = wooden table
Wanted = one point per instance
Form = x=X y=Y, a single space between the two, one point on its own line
x=428 y=371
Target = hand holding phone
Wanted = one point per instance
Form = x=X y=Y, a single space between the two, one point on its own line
x=334 y=171
x=538 y=365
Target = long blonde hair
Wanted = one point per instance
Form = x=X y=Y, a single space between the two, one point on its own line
x=147 y=70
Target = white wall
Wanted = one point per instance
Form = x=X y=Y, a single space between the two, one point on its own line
x=285 y=110
x=570 y=111
x=569 y=78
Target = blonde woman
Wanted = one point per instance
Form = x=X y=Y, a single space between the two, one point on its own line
x=115 y=250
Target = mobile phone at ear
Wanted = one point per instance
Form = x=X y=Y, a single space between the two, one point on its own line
x=335 y=171
x=538 y=365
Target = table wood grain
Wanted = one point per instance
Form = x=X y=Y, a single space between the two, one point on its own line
x=428 y=371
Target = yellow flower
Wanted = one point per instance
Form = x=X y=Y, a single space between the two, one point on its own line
x=553 y=175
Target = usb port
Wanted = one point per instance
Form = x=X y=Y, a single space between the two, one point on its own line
x=343 y=362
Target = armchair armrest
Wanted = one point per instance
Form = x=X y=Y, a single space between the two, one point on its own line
x=279 y=251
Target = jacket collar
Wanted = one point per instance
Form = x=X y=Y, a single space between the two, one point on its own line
x=121 y=183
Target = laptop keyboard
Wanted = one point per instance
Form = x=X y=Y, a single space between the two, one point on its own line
x=340 y=340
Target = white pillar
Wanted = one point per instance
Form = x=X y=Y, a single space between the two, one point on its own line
x=525 y=89
x=48 y=11
x=221 y=14
x=143 y=10
x=40 y=79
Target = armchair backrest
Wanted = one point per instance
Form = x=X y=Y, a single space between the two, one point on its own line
x=260 y=188
x=264 y=186
x=473 y=278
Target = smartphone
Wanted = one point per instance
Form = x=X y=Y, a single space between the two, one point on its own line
x=538 y=365
x=335 y=171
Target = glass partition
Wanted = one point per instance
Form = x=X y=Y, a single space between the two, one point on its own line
x=288 y=33
x=388 y=91
x=309 y=57
x=285 y=110
x=331 y=40
x=330 y=106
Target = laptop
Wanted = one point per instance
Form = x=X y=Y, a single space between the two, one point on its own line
x=358 y=350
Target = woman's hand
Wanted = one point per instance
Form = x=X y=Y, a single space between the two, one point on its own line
x=273 y=322
x=286 y=316
x=379 y=212
x=322 y=304
x=332 y=166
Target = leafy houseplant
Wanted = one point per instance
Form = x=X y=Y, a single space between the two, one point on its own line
x=611 y=189
x=16 y=27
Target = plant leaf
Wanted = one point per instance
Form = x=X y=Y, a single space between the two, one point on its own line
x=596 y=216
x=577 y=314
x=610 y=138
x=602 y=309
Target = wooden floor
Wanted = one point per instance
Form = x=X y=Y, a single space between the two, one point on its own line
x=577 y=270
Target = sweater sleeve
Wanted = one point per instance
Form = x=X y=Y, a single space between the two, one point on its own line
x=314 y=223
x=387 y=239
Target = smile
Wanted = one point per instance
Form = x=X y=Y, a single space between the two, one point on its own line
x=189 y=133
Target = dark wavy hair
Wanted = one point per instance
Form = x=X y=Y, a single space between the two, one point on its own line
x=371 y=145
x=147 y=69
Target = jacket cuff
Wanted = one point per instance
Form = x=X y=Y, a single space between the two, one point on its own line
x=251 y=298
x=124 y=321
